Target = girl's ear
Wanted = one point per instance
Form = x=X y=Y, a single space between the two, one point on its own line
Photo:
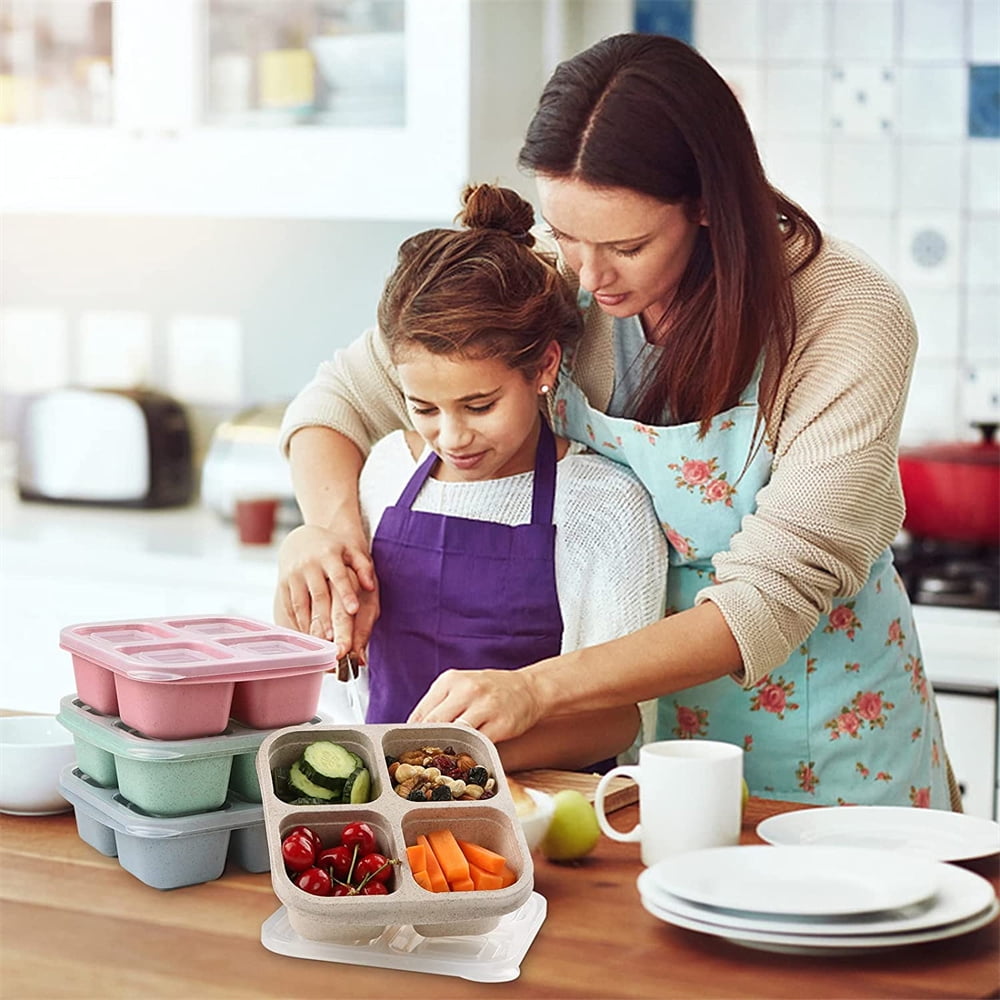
x=549 y=367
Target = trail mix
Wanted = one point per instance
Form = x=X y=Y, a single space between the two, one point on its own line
x=433 y=774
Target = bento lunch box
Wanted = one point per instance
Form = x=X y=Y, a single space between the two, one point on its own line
x=164 y=777
x=185 y=677
x=397 y=822
x=166 y=852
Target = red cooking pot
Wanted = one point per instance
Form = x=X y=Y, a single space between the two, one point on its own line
x=952 y=491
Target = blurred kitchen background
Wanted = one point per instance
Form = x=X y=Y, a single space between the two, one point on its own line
x=203 y=198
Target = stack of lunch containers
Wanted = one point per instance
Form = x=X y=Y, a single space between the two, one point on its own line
x=167 y=718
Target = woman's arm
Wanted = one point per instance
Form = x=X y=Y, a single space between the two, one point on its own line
x=570 y=742
x=688 y=648
x=326 y=583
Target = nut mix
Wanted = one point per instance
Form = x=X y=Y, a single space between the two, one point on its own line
x=433 y=774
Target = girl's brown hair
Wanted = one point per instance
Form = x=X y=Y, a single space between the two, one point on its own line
x=648 y=113
x=479 y=291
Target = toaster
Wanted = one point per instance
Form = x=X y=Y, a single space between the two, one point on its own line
x=244 y=460
x=117 y=447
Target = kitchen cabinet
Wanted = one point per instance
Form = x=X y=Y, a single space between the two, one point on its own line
x=226 y=107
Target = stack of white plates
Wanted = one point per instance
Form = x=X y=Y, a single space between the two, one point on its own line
x=930 y=833
x=817 y=900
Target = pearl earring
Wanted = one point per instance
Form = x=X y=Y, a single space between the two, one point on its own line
x=544 y=390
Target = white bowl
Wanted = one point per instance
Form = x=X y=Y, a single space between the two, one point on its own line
x=536 y=824
x=33 y=751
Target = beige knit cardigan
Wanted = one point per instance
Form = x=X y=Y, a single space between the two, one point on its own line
x=834 y=500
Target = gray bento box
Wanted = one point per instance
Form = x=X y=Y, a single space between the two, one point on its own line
x=396 y=822
x=166 y=852
x=164 y=777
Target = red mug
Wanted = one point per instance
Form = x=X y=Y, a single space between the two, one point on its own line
x=255 y=519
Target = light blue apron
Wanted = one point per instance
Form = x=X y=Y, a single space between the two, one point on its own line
x=849 y=717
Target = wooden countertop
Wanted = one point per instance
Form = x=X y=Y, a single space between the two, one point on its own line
x=75 y=924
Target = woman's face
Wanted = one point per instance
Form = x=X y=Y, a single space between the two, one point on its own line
x=629 y=249
x=480 y=416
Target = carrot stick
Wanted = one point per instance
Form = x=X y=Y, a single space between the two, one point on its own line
x=481 y=856
x=416 y=854
x=462 y=885
x=449 y=855
x=438 y=882
x=508 y=876
x=423 y=880
x=483 y=879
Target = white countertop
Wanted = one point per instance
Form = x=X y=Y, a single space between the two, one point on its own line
x=64 y=564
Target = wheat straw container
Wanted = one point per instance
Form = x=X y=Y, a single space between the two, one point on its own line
x=164 y=777
x=396 y=822
x=166 y=852
x=185 y=677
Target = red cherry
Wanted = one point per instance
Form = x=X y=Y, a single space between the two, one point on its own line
x=374 y=868
x=374 y=889
x=298 y=852
x=337 y=859
x=361 y=834
x=308 y=831
x=314 y=881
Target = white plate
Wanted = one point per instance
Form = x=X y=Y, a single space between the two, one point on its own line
x=803 y=881
x=961 y=894
x=798 y=944
x=929 y=833
x=488 y=958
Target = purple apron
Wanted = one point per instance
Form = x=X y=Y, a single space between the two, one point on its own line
x=457 y=593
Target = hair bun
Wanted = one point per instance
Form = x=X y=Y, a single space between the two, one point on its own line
x=486 y=206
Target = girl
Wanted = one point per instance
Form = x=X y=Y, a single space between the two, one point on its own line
x=495 y=542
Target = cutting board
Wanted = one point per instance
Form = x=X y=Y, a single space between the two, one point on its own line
x=622 y=791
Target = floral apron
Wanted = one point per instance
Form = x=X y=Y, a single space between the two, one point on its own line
x=849 y=717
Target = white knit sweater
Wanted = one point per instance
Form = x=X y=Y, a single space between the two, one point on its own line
x=611 y=555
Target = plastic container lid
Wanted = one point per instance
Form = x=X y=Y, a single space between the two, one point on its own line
x=489 y=958
x=196 y=647
x=108 y=732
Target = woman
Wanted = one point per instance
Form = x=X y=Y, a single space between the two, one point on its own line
x=495 y=542
x=753 y=374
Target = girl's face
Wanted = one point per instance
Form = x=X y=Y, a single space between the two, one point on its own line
x=629 y=249
x=480 y=417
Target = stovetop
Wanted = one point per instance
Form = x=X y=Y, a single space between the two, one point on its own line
x=949 y=574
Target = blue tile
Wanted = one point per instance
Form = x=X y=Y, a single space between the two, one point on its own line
x=665 y=17
x=984 y=102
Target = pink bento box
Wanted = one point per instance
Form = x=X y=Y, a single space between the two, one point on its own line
x=185 y=677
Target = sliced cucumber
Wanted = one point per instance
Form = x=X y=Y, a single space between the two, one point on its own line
x=358 y=787
x=329 y=764
x=301 y=784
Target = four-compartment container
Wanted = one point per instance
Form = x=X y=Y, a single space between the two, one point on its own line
x=164 y=777
x=397 y=822
x=184 y=677
x=166 y=852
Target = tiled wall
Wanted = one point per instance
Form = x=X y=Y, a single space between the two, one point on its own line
x=882 y=117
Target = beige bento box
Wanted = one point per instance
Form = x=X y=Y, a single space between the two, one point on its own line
x=492 y=823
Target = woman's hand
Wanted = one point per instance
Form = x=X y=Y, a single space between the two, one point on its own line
x=327 y=588
x=501 y=704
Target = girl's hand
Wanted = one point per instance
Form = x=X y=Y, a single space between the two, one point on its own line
x=327 y=588
x=501 y=704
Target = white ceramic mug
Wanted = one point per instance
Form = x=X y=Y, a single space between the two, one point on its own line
x=690 y=797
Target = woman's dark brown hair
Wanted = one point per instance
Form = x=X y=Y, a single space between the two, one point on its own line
x=648 y=113
x=479 y=291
